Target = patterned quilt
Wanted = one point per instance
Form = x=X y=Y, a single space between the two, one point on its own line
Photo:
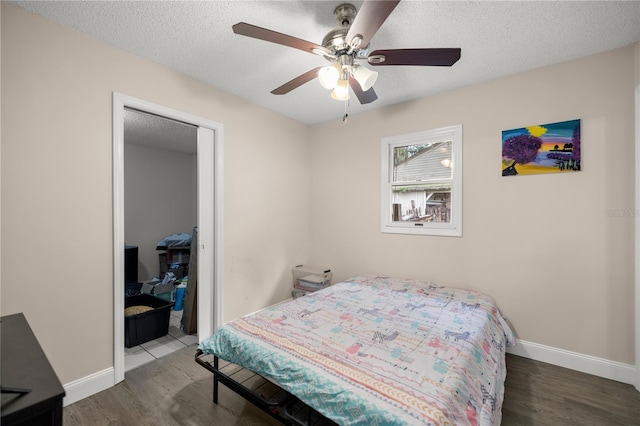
x=380 y=351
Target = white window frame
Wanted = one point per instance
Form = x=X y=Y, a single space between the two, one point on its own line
x=454 y=227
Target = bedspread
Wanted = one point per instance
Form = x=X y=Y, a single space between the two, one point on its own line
x=376 y=350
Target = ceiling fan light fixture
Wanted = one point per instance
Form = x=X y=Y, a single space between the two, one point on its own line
x=341 y=91
x=365 y=77
x=328 y=76
x=347 y=43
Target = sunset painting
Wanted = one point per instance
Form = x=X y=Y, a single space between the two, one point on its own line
x=545 y=148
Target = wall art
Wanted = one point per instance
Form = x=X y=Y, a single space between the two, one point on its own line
x=544 y=148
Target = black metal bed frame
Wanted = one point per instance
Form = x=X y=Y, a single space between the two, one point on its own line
x=282 y=405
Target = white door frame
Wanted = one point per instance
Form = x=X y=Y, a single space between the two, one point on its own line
x=210 y=237
x=637 y=238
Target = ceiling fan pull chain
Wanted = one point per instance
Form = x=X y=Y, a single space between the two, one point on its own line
x=345 y=116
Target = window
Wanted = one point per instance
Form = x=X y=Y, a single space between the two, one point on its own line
x=422 y=183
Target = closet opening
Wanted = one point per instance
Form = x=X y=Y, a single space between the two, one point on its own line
x=167 y=183
x=160 y=233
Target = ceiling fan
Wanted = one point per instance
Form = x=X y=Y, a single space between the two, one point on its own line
x=346 y=46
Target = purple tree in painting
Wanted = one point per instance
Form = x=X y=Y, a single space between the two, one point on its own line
x=521 y=149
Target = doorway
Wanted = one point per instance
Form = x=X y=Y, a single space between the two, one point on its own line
x=209 y=218
x=160 y=206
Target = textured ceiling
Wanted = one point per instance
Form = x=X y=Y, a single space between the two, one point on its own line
x=158 y=132
x=497 y=39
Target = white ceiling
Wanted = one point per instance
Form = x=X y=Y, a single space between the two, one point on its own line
x=497 y=39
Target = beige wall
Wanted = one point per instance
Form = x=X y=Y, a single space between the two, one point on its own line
x=638 y=64
x=159 y=200
x=57 y=193
x=556 y=251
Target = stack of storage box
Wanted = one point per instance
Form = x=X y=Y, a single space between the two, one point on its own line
x=307 y=279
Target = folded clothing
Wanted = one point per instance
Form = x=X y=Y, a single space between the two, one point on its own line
x=175 y=240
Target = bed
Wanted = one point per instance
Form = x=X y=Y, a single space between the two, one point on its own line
x=374 y=350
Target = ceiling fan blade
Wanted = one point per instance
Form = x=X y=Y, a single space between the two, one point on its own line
x=428 y=57
x=364 y=97
x=369 y=19
x=296 y=82
x=260 y=33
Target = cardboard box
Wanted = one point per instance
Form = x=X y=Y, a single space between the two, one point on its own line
x=154 y=288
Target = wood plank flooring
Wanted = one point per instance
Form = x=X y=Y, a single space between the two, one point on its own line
x=537 y=393
x=174 y=390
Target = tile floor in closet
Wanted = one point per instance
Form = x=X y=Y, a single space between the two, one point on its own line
x=176 y=339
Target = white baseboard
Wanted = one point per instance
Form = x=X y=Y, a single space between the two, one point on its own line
x=87 y=386
x=625 y=373
x=601 y=367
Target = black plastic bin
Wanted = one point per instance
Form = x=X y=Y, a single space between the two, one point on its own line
x=149 y=325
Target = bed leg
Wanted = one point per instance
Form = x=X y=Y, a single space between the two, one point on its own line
x=215 y=381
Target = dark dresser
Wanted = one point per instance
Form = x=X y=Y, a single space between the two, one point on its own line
x=31 y=392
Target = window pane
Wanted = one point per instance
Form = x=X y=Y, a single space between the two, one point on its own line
x=421 y=203
x=422 y=162
x=421 y=182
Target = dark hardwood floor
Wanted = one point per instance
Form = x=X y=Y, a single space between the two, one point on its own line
x=537 y=393
x=174 y=390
